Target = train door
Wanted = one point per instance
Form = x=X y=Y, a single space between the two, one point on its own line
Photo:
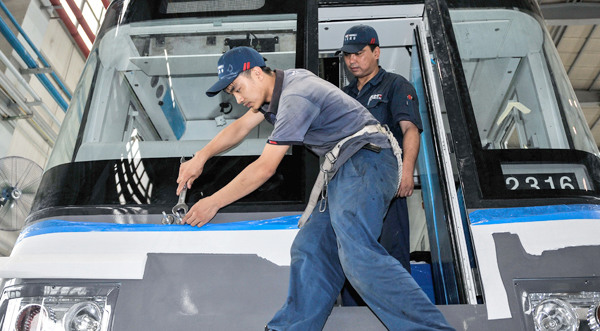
x=453 y=266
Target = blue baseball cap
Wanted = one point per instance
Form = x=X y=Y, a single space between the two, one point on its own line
x=357 y=37
x=232 y=63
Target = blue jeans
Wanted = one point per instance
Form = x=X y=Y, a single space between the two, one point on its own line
x=342 y=242
x=395 y=238
x=395 y=234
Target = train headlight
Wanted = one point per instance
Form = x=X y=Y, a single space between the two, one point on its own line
x=593 y=317
x=555 y=315
x=34 y=317
x=84 y=316
x=72 y=307
x=561 y=310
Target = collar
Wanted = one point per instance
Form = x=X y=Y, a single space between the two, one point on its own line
x=377 y=79
x=274 y=104
x=373 y=81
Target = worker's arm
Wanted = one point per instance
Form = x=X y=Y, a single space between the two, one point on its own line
x=251 y=178
x=410 y=150
x=227 y=138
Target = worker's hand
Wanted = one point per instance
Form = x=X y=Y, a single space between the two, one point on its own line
x=407 y=185
x=188 y=172
x=201 y=212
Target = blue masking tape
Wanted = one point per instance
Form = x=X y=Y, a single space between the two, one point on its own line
x=534 y=214
x=60 y=226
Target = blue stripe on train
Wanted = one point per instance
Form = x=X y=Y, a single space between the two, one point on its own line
x=534 y=214
x=59 y=226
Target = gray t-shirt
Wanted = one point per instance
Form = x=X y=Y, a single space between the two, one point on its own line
x=311 y=111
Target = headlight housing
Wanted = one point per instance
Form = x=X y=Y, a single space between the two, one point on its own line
x=555 y=315
x=593 y=316
x=562 y=311
x=58 y=307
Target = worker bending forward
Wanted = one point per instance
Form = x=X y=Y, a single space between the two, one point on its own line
x=340 y=238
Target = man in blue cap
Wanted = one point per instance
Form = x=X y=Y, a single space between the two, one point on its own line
x=340 y=238
x=393 y=102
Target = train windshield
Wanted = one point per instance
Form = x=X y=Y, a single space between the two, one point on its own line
x=153 y=77
x=529 y=131
x=508 y=65
x=141 y=105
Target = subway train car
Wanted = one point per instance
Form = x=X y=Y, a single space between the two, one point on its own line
x=505 y=212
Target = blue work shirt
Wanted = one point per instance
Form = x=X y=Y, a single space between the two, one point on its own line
x=390 y=98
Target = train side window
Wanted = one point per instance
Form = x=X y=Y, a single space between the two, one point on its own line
x=528 y=135
x=516 y=100
x=63 y=149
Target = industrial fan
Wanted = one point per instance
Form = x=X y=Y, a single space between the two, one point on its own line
x=19 y=181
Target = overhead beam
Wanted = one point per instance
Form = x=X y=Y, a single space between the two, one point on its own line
x=588 y=98
x=571 y=13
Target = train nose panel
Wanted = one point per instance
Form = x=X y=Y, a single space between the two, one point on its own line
x=530 y=255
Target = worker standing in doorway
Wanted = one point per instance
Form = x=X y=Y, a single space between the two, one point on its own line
x=360 y=177
x=392 y=100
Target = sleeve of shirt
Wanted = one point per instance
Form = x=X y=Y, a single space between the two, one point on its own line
x=404 y=104
x=294 y=117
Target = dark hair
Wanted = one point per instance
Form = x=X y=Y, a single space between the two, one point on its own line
x=265 y=70
x=372 y=46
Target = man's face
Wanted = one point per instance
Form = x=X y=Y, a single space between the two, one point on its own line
x=363 y=63
x=247 y=91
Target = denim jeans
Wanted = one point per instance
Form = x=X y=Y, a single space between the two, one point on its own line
x=342 y=242
x=395 y=238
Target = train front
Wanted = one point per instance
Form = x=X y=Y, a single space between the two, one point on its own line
x=96 y=231
x=527 y=170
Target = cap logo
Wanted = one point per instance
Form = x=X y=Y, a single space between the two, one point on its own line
x=246 y=66
x=219 y=69
x=350 y=37
x=372 y=41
